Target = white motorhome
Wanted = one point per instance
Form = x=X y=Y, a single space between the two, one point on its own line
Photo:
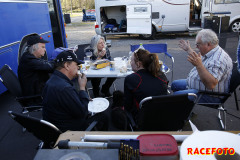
x=147 y=17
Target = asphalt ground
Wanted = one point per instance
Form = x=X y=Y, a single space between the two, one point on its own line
x=16 y=144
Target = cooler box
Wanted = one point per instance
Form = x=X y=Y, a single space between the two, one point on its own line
x=158 y=146
x=108 y=28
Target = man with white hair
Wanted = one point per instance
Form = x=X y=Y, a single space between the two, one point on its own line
x=33 y=71
x=212 y=67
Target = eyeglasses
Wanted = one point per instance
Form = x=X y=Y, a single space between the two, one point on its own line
x=198 y=44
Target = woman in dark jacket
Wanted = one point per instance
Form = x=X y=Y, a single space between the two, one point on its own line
x=147 y=80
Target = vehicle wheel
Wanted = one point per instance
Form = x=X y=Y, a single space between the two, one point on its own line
x=235 y=26
x=149 y=36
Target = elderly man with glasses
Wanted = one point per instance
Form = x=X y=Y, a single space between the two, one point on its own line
x=212 y=67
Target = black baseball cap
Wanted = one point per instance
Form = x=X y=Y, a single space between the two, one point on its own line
x=36 y=39
x=67 y=55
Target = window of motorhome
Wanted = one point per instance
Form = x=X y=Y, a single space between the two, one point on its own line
x=140 y=9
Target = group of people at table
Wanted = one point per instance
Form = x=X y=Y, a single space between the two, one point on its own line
x=67 y=108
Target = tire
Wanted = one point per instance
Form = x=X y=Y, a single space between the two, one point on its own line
x=149 y=36
x=235 y=26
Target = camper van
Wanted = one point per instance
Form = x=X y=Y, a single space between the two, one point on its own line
x=148 y=17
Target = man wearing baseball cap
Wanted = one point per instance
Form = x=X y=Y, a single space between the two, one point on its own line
x=63 y=104
x=33 y=71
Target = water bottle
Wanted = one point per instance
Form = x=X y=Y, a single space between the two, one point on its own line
x=130 y=54
x=141 y=46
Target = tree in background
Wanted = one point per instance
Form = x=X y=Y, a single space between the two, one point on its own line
x=69 y=6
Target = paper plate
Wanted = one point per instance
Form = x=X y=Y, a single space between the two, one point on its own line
x=98 y=105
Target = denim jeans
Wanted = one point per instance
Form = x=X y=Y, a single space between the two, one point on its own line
x=180 y=87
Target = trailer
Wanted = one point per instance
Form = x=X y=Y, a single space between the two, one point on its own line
x=148 y=17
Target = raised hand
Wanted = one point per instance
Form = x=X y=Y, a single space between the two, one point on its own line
x=185 y=45
x=195 y=59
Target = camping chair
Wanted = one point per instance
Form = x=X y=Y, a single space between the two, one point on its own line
x=234 y=83
x=11 y=82
x=159 y=48
x=81 y=50
x=43 y=130
x=165 y=113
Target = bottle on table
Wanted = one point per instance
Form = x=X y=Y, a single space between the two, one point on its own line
x=141 y=46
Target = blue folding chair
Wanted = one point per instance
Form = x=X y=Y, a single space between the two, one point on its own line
x=159 y=48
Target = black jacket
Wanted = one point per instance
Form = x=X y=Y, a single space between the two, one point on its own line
x=63 y=105
x=140 y=85
x=33 y=73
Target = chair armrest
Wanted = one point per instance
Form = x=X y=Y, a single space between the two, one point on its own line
x=214 y=93
x=130 y=118
x=169 y=55
x=25 y=98
x=91 y=126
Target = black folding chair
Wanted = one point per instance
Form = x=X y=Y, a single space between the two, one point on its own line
x=234 y=83
x=43 y=130
x=81 y=50
x=165 y=113
x=11 y=82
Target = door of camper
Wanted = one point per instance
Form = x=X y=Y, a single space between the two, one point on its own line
x=139 y=20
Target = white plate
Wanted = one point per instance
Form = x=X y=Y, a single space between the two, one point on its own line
x=208 y=139
x=98 y=105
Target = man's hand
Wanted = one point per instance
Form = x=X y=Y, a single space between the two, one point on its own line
x=185 y=45
x=195 y=59
x=82 y=81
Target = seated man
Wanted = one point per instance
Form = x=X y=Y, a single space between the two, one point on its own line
x=213 y=67
x=63 y=105
x=33 y=71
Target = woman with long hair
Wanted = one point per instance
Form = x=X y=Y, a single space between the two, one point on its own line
x=100 y=51
x=147 y=80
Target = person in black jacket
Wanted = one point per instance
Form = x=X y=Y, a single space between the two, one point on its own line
x=147 y=80
x=100 y=51
x=33 y=71
x=63 y=105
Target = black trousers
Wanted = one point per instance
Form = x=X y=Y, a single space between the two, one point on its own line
x=96 y=84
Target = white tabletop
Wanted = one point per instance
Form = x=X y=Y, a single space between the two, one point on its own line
x=105 y=72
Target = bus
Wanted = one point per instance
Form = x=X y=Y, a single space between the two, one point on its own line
x=21 y=18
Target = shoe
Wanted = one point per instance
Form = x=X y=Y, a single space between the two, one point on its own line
x=106 y=93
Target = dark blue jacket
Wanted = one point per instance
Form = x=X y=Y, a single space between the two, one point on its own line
x=33 y=73
x=63 y=105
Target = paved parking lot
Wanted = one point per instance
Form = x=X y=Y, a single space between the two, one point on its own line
x=205 y=118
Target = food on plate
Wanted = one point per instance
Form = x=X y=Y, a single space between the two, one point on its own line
x=102 y=63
